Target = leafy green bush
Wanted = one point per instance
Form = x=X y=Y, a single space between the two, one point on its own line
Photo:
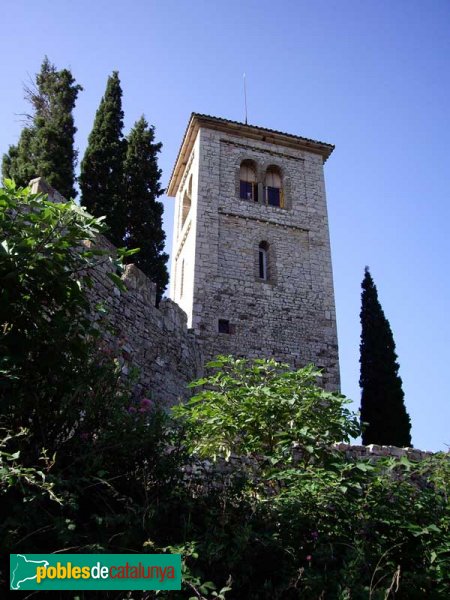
x=262 y=407
x=13 y=474
x=312 y=524
x=46 y=358
x=82 y=460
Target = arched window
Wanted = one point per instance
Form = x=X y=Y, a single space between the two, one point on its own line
x=273 y=188
x=248 y=187
x=187 y=201
x=263 y=262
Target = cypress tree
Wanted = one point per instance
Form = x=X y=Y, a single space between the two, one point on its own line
x=101 y=177
x=19 y=163
x=382 y=405
x=46 y=146
x=143 y=210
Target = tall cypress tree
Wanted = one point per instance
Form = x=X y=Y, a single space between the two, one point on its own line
x=382 y=405
x=46 y=146
x=101 y=177
x=143 y=210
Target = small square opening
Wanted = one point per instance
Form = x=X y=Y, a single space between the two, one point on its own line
x=224 y=326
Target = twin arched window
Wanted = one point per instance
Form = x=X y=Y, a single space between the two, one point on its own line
x=270 y=191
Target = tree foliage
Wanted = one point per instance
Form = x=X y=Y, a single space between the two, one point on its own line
x=119 y=181
x=46 y=146
x=143 y=228
x=382 y=399
x=45 y=318
x=101 y=176
x=262 y=407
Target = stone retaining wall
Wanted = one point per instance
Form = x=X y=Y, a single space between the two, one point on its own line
x=374 y=451
x=154 y=340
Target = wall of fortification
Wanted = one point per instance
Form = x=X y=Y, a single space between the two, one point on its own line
x=207 y=475
x=155 y=340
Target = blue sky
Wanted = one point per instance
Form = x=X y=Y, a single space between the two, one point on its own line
x=371 y=77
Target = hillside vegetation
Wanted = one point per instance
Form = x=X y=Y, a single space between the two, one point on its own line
x=88 y=466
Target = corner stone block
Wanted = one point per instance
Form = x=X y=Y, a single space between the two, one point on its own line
x=135 y=279
x=174 y=316
x=40 y=186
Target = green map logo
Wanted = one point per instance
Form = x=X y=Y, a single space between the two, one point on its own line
x=24 y=570
x=95 y=572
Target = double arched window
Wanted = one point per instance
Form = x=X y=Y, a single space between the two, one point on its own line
x=268 y=190
x=248 y=186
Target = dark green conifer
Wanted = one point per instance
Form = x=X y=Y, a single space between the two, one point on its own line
x=143 y=210
x=19 y=163
x=46 y=146
x=101 y=177
x=382 y=398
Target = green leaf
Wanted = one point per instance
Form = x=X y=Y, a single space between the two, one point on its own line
x=364 y=467
x=117 y=281
x=124 y=252
x=406 y=462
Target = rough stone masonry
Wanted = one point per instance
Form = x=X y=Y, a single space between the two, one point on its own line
x=251 y=259
x=155 y=340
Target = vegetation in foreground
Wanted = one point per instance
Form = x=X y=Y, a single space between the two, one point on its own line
x=86 y=466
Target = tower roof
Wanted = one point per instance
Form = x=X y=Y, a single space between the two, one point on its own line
x=241 y=129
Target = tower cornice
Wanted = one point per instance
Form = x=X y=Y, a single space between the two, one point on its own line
x=253 y=132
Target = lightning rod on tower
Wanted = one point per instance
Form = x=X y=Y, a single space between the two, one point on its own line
x=245 y=98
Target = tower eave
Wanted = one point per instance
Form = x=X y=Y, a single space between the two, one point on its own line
x=243 y=130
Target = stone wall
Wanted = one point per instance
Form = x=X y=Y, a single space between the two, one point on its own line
x=374 y=451
x=206 y=475
x=155 y=340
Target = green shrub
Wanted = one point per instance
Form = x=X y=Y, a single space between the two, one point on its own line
x=91 y=462
x=262 y=407
x=311 y=524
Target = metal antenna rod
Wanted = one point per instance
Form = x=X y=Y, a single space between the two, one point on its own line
x=245 y=98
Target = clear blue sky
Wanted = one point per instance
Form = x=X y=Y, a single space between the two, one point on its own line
x=371 y=77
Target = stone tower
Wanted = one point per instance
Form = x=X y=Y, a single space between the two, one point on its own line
x=251 y=261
